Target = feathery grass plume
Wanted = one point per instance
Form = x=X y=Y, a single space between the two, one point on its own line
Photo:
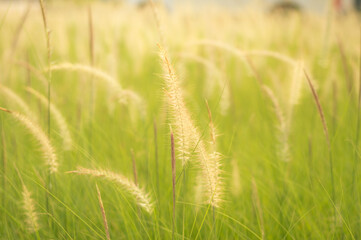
x=105 y=222
x=142 y=198
x=283 y=128
x=11 y=95
x=30 y=211
x=28 y=205
x=242 y=54
x=182 y=120
x=122 y=95
x=187 y=135
x=45 y=144
x=58 y=117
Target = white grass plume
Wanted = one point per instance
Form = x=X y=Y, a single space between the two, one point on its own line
x=122 y=95
x=242 y=54
x=188 y=137
x=46 y=147
x=58 y=117
x=31 y=216
x=142 y=198
x=11 y=95
x=283 y=131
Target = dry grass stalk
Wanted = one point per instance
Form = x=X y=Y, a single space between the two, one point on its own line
x=58 y=117
x=47 y=34
x=320 y=111
x=45 y=144
x=105 y=222
x=142 y=198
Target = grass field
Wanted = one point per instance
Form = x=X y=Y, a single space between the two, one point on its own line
x=125 y=123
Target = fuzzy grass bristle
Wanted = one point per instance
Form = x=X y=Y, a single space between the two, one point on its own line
x=142 y=199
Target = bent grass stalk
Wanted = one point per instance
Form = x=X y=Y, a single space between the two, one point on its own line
x=105 y=222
